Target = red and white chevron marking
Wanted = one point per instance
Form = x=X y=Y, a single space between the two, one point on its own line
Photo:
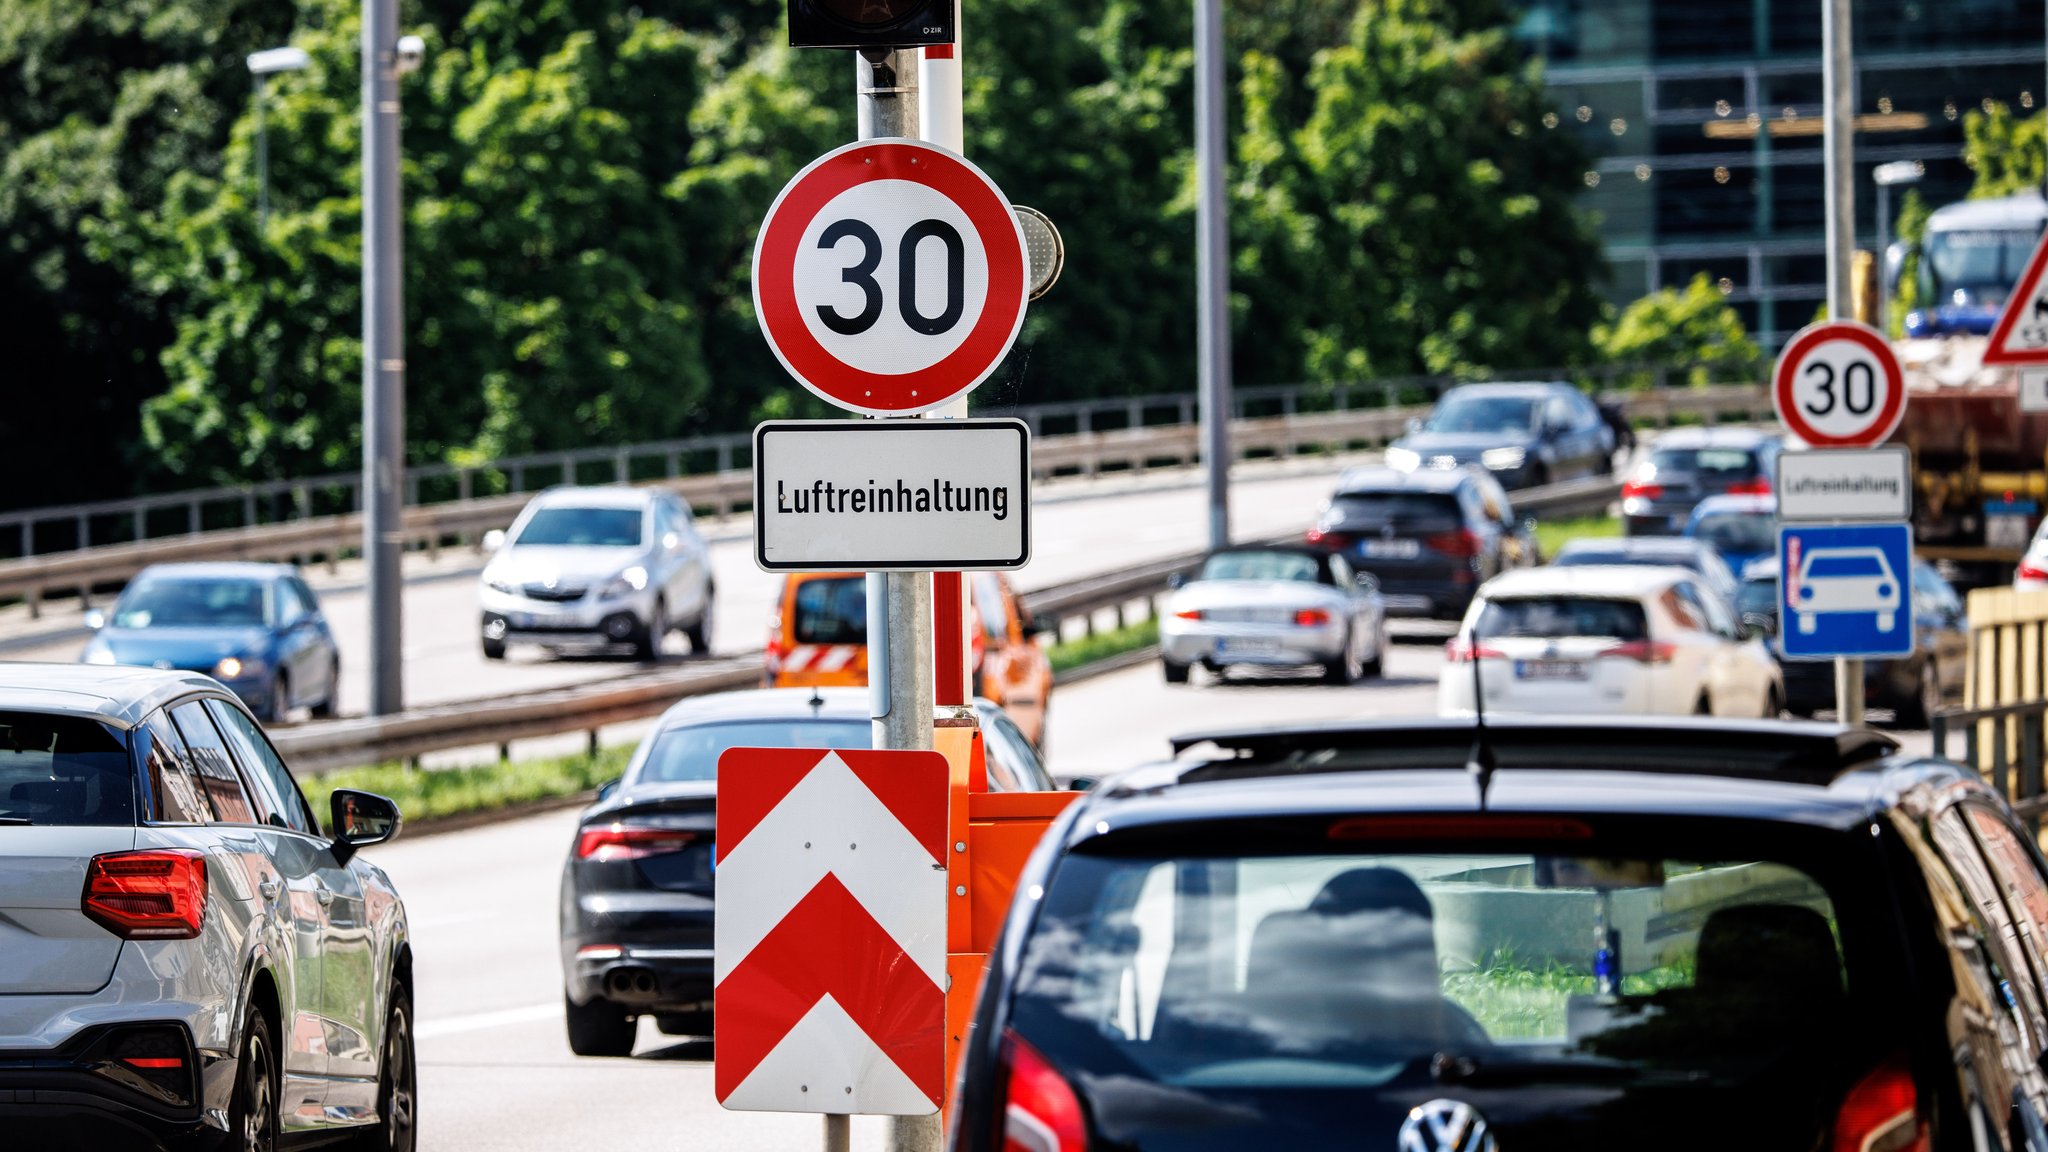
x=820 y=657
x=830 y=938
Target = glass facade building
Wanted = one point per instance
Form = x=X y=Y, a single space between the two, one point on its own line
x=1702 y=120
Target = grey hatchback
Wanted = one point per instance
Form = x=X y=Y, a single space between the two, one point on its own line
x=185 y=961
x=1687 y=465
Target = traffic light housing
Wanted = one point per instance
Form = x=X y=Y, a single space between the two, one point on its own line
x=869 y=23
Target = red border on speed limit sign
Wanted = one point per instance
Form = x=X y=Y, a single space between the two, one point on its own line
x=994 y=237
x=1807 y=385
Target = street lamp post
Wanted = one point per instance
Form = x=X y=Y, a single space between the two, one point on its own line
x=1886 y=175
x=261 y=65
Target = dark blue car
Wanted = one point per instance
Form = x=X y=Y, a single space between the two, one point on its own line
x=256 y=628
x=1740 y=528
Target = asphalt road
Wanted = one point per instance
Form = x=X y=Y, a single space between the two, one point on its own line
x=1080 y=528
x=496 y=1074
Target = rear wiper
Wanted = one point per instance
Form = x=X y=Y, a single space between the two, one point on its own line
x=1451 y=1068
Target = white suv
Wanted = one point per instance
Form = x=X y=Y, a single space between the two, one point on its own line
x=598 y=568
x=184 y=959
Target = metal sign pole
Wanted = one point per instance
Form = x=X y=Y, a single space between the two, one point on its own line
x=1212 y=266
x=1838 y=79
x=888 y=106
x=383 y=358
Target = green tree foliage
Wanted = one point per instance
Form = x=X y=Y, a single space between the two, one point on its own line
x=1696 y=328
x=2004 y=150
x=583 y=180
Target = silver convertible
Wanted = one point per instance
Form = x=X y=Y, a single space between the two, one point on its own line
x=1274 y=606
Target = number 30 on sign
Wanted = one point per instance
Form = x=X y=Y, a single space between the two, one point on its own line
x=1838 y=385
x=890 y=276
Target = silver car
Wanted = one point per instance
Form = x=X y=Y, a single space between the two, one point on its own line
x=1275 y=606
x=598 y=569
x=185 y=961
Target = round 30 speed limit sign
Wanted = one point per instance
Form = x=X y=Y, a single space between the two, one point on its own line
x=890 y=276
x=1838 y=385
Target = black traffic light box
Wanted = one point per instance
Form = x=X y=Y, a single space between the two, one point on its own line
x=869 y=23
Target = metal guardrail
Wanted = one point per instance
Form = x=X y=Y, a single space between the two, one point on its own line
x=2005 y=744
x=1085 y=453
x=325 y=745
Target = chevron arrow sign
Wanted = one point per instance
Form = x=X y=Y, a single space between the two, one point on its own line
x=830 y=938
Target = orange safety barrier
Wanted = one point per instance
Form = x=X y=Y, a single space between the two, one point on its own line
x=992 y=835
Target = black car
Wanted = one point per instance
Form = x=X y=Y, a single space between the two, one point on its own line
x=1687 y=465
x=636 y=902
x=1430 y=538
x=1668 y=552
x=1524 y=434
x=1685 y=934
x=1913 y=688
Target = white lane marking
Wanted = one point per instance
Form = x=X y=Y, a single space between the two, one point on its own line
x=479 y=1021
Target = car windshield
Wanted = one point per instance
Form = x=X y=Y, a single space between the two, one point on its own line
x=1480 y=413
x=1260 y=566
x=1738 y=531
x=832 y=610
x=1981 y=264
x=1541 y=616
x=1421 y=511
x=193 y=602
x=1711 y=464
x=62 y=770
x=1225 y=976
x=692 y=752
x=583 y=528
x=1843 y=565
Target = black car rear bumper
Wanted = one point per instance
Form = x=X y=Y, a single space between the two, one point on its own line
x=78 y=1097
x=650 y=979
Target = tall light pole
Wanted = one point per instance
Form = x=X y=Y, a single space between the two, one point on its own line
x=386 y=57
x=262 y=65
x=1212 y=267
x=1886 y=175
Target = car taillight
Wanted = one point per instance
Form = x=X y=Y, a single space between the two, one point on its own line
x=1040 y=1111
x=2031 y=571
x=1311 y=618
x=1643 y=651
x=1464 y=652
x=1882 y=1113
x=157 y=894
x=1188 y=614
x=1641 y=490
x=1318 y=538
x=1761 y=486
x=157 y=1059
x=605 y=842
x=1459 y=545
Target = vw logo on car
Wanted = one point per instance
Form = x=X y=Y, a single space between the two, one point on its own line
x=1446 y=1126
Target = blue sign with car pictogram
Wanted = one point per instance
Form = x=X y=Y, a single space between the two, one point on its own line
x=1844 y=590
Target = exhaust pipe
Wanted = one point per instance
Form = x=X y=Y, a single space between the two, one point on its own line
x=634 y=985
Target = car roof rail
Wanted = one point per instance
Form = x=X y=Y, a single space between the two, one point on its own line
x=1793 y=752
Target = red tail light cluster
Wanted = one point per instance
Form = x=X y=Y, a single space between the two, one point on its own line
x=158 y=894
x=1643 y=651
x=2031 y=571
x=1311 y=618
x=1040 y=1111
x=1460 y=545
x=1318 y=538
x=1188 y=614
x=1465 y=651
x=1641 y=490
x=1760 y=486
x=605 y=842
x=1882 y=1113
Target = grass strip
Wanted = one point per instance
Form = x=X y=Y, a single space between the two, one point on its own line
x=1071 y=654
x=1552 y=534
x=434 y=793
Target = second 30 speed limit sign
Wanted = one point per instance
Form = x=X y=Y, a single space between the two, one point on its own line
x=890 y=276
x=1838 y=385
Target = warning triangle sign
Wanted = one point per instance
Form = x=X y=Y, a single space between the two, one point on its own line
x=2021 y=336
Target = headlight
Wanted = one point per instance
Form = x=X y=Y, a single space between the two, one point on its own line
x=234 y=668
x=505 y=586
x=631 y=580
x=99 y=654
x=1502 y=459
x=1403 y=459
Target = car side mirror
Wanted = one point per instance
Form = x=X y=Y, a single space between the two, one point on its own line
x=360 y=819
x=607 y=790
x=1175 y=581
x=1082 y=784
x=1414 y=424
x=1367 y=582
x=494 y=540
x=1754 y=625
x=95 y=619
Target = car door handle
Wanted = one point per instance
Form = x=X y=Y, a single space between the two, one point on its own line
x=323 y=894
x=270 y=888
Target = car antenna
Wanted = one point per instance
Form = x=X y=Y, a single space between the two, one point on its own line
x=1480 y=762
x=817 y=698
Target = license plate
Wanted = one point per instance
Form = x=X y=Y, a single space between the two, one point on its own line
x=1393 y=549
x=533 y=619
x=1245 y=647
x=1550 y=670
